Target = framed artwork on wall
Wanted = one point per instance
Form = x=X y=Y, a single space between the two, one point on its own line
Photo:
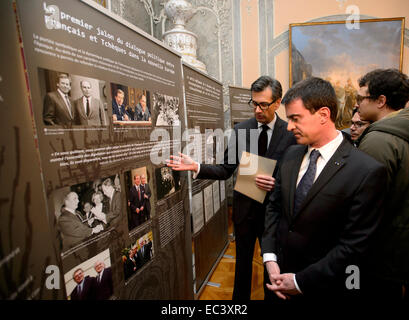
x=341 y=52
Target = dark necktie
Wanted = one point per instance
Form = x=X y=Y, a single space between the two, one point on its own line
x=139 y=193
x=87 y=107
x=262 y=141
x=306 y=182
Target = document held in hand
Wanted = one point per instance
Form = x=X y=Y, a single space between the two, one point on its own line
x=250 y=166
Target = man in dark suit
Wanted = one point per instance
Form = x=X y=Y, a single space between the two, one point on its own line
x=89 y=110
x=147 y=195
x=103 y=281
x=70 y=223
x=326 y=203
x=265 y=135
x=132 y=263
x=144 y=253
x=137 y=201
x=85 y=289
x=118 y=109
x=58 y=106
x=114 y=215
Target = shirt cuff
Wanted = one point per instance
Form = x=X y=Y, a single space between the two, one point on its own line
x=195 y=174
x=296 y=285
x=269 y=257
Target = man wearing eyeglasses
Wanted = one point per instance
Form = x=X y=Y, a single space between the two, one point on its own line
x=358 y=126
x=382 y=94
x=272 y=139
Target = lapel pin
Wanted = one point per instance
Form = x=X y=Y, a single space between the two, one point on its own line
x=337 y=163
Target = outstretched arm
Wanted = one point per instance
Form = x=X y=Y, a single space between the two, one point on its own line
x=182 y=163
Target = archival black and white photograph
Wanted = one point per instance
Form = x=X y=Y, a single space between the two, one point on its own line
x=216 y=196
x=167 y=109
x=167 y=182
x=222 y=190
x=197 y=212
x=130 y=106
x=85 y=210
x=138 y=194
x=72 y=100
x=90 y=280
x=139 y=253
x=208 y=202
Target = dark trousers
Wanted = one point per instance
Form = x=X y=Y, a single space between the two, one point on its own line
x=246 y=234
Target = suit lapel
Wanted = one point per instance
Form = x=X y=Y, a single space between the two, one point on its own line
x=253 y=125
x=91 y=107
x=275 y=137
x=63 y=105
x=294 y=167
x=333 y=165
x=80 y=108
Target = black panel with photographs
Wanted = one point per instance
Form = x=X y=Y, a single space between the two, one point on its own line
x=87 y=156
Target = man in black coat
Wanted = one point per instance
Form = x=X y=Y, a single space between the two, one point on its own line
x=147 y=195
x=132 y=263
x=137 y=201
x=265 y=135
x=326 y=204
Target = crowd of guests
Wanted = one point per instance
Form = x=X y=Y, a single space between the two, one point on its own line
x=136 y=256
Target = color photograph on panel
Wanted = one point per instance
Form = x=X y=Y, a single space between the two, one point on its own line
x=139 y=253
x=341 y=53
x=138 y=195
x=130 y=106
x=90 y=280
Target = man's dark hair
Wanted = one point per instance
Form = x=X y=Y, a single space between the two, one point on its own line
x=315 y=93
x=391 y=83
x=265 y=81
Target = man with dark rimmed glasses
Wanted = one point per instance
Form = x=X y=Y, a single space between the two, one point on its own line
x=271 y=140
x=382 y=93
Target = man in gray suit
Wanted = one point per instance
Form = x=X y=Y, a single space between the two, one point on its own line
x=58 y=108
x=89 y=110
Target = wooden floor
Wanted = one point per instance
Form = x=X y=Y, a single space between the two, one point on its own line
x=224 y=275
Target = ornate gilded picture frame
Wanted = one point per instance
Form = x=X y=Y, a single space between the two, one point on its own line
x=341 y=53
